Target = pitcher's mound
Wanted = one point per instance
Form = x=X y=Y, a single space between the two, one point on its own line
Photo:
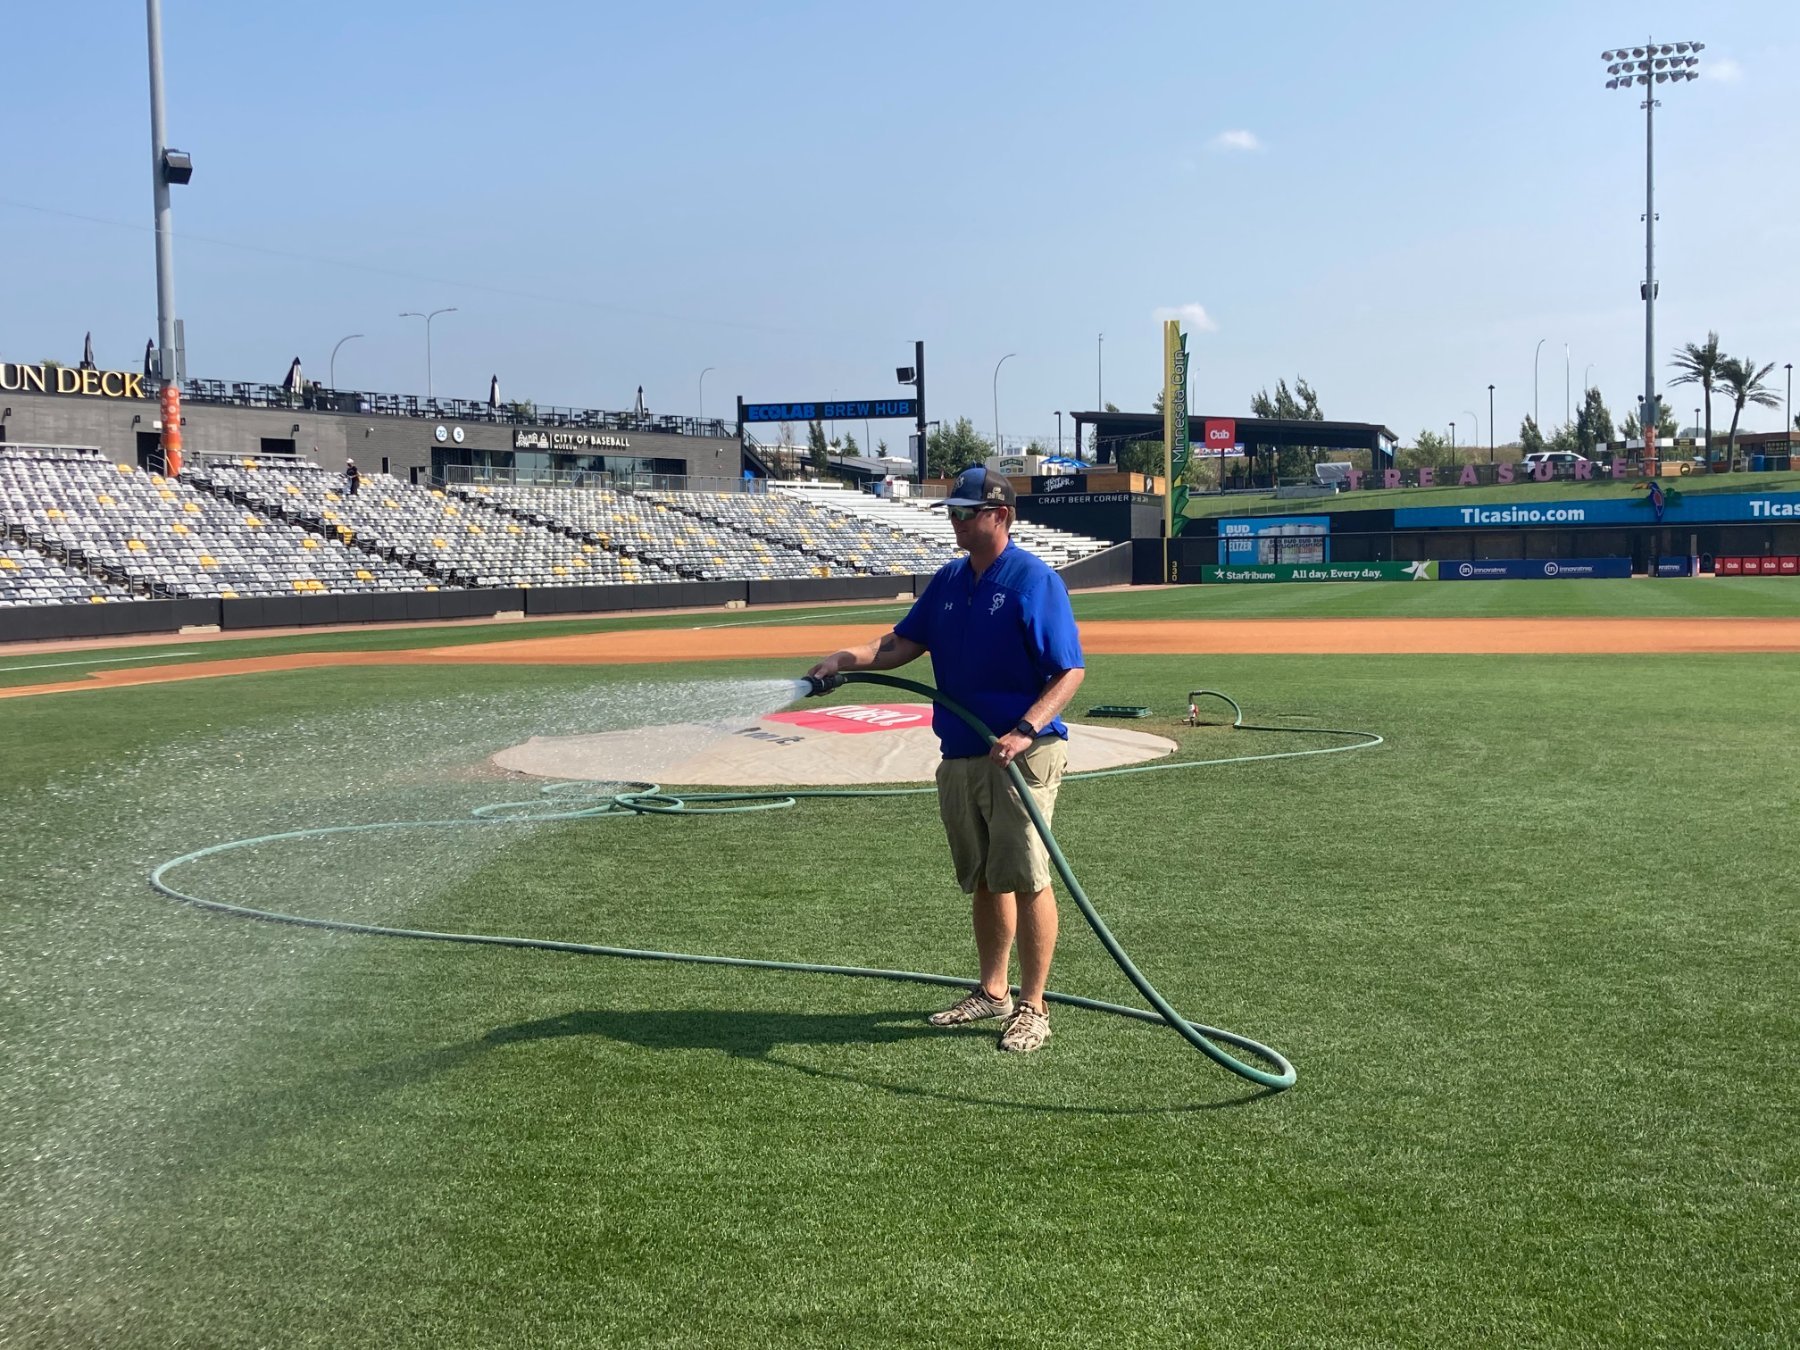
x=815 y=747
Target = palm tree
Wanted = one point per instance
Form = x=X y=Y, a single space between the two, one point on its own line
x=1701 y=366
x=1744 y=382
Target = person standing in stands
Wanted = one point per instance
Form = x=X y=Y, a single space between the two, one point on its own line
x=1003 y=643
x=352 y=476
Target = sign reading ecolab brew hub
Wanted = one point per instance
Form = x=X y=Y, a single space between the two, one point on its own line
x=18 y=379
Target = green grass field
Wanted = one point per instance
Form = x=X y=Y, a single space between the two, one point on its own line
x=1556 y=490
x=1535 y=960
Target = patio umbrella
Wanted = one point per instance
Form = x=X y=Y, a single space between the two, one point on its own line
x=294 y=383
x=494 y=392
x=87 y=354
x=639 y=410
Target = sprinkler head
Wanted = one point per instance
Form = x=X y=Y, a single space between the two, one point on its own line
x=817 y=684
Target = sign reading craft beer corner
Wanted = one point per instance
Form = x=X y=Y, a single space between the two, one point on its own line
x=820 y=410
x=19 y=379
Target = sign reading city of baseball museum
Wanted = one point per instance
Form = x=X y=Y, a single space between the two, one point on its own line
x=1675 y=507
x=819 y=410
x=18 y=379
x=569 y=440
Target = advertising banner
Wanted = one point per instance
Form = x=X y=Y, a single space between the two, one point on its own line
x=1369 y=571
x=1664 y=506
x=1534 y=569
x=1274 y=539
x=1221 y=436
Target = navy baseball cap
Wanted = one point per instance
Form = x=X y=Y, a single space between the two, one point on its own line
x=981 y=486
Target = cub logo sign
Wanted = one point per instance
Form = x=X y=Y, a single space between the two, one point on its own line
x=1221 y=434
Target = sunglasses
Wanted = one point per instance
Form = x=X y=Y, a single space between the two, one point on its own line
x=967 y=512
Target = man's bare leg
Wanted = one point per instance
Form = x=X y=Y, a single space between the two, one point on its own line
x=1035 y=920
x=996 y=920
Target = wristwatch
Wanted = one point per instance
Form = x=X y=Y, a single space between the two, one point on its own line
x=1024 y=728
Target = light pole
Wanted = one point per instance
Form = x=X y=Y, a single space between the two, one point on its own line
x=1100 y=374
x=1642 y=67
x=1452 y=438
x=1475 y=422
x=166 y=167
x=1587 y=377
x=414 y=314
x=1490 y=424
x=1565 y=384
x=1002 y=361
x=702 y=399
x=1059 y=416
x=1787 y=430
x=1534 y=383
x=332 y=377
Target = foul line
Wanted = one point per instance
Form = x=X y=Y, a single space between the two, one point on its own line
x=97 y=661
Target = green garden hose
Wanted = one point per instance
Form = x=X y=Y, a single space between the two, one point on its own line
x=586 y=801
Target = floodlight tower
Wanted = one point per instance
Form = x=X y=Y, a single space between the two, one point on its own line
x=1645 y=67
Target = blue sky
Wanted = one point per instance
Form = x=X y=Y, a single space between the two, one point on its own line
x=1395 y=201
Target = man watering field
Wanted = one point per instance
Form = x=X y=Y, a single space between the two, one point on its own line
x=1003 y=643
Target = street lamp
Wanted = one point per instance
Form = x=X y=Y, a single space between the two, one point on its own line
x=1059 y=417
x=414 y=314
x=1490 y=424
x=1641 y=67
x=1534 y=383
x=1002 y=361
x=1587 y=380
x=1565 y=384
x=332 y=377
x=1788 y=430
x=1100 y=374
x=702 y=400
x=1476 y=423
x=1453 y=437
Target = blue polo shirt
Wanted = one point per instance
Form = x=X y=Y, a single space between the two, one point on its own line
x=995 y=641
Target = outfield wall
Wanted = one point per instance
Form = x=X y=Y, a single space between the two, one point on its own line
x=1691 y=525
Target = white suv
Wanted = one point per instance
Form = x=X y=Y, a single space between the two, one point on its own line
x=1562 y=462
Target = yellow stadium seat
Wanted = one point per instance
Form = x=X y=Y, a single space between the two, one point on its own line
x=176 y=527
x=228 y=595
x=103 y=499
x=438 y=543
x=166 y=495
x=251 y=522
x=135 y=545
x=559 y=571
x=9 y=564
x=125 y=468
x=363 y=574
x=309 y=543
x=192 y=508
x=96 y=599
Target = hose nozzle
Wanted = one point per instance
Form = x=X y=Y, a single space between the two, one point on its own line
x=821 y=684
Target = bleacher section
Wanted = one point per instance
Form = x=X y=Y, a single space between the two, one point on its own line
x=77 y=528
x=463 y=541
x=159 y=536
x=706 y=550
x=27 y=577
x=917 y=518
x=800 y=524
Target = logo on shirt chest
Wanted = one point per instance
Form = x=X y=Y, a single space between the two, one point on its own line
x=998 y=600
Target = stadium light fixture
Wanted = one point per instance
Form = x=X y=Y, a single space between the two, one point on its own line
x=1650 y=65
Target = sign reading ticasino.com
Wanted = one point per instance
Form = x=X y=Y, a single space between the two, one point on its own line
x=1691 y=508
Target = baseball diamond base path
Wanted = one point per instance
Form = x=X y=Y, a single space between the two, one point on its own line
x=1175 y=637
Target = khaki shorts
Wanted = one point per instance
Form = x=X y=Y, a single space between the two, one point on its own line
x=992 y=840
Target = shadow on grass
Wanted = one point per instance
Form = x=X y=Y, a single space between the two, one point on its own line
x=757 y=1035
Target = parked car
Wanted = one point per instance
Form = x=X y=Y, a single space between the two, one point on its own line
x=1562 y=462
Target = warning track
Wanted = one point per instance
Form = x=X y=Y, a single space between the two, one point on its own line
x=1198 y=637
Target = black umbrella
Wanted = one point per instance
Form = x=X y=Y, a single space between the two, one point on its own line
x=294 y=384
x=87 y=354
x=150 y=358
x=494 y=392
